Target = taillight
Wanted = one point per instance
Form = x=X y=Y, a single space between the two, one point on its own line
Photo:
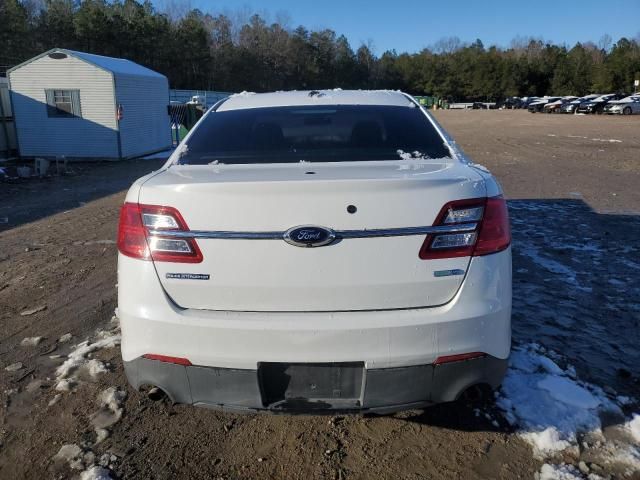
x=495 y=233
x=140 y=234
x=132 y=239
x=488 y=232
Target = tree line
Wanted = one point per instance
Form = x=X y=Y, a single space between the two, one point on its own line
x=199 y=50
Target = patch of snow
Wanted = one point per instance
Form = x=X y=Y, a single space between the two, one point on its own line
x=567 y=391
x=404 y=155
x=624 y=400
x=65 y=385
x=633 y=426
x=95 y=367
x=112 y=398
x=552 y=409
x=31 y=311
x=30 y=341
x=66 y=374
x=110 y=411
x=546 y=442
x=71 y=454
x=65 y=338
x=566 y=273
x=415 y=155
x=101 y=435
x=95 y=473
x=14 y=367
x=242 y=94
x=55 y=399
x=559 y=472
x=549 y=407
x=34 y=386
x=85 y=460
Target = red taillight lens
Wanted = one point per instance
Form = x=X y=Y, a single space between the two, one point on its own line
x=140 y=234
x=132 y=240
x=495 y=233
x=491 y=235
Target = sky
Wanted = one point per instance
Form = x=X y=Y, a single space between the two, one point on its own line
x=410 y=25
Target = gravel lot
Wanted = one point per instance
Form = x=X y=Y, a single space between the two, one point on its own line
x=575 y=207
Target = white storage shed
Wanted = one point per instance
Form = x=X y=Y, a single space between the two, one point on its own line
x=85 y=106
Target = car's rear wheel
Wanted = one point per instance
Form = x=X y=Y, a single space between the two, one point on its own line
x=626 y=111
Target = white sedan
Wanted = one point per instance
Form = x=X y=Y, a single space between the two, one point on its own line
x=627 y=106
x=311 y=251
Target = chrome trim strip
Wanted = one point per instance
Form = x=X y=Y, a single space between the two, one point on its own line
x=403 y=232
x=340 y=234
x=219 y=234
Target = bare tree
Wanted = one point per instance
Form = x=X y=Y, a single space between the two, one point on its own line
x=605 y=43
x=175 y=9
x=447 y=45
x=283 y=18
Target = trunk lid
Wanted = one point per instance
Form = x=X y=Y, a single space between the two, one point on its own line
x=350 y=273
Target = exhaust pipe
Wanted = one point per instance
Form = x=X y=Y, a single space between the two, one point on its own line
x=156 y=394
x=475 y=394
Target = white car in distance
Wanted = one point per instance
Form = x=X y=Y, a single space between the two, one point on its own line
x=627 y=106
x=315 y=251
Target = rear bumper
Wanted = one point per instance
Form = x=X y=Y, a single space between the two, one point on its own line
x=378 y=390
x=396 y=348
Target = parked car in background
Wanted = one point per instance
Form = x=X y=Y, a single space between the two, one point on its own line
x=597 y=104
x=572 y=106
x=627 y=106
x=554 y=107
x=539 y=104
x=526 y=101
x=512 y=103
x=303 y=251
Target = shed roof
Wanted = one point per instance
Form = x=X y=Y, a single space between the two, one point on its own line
x=111 y=64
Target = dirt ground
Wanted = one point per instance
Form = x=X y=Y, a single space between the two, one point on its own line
x=595 y=158
x=571 y=181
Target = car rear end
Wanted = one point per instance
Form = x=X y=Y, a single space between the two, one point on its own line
x=586 y=107
x=291 y=257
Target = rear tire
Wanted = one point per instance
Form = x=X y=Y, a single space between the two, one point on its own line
x=626 y=111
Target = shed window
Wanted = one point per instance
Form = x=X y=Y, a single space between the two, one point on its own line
x=63 y=103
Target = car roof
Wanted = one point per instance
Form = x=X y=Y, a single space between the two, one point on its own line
x=316 y=97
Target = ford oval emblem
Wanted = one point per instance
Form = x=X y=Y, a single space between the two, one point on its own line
x=309 y=236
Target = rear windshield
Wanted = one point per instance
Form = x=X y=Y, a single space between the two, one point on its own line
x=313 y=134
